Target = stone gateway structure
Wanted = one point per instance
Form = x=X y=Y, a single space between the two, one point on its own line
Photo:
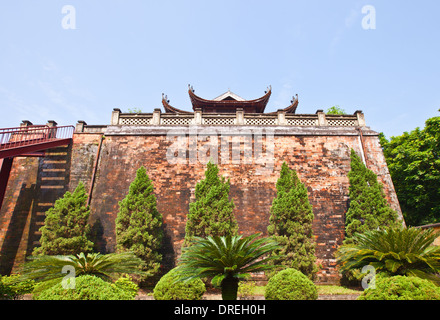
x=174 y=146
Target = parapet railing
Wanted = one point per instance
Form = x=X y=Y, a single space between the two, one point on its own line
x=239 y=118
x=33 y=134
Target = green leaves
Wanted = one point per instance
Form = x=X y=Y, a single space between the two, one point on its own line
x=212 y=212
x=368 y=206
x=66 y=229
x=414 y=163
x=49 y=268
x=396 y=251
x=226 y=256
x=290 y=223
x=139 y=224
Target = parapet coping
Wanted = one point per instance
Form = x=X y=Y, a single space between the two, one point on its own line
x=237 y=130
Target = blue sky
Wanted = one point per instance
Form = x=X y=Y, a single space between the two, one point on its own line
x=124 y=54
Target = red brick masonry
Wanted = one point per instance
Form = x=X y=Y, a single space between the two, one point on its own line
x=321 y=157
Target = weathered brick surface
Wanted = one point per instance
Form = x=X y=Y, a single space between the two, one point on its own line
x=322 y=162
x=33 y=187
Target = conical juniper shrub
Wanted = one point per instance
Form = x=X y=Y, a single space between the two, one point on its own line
x=66 y=229
x=212 y=212
x=139 y=224
x=368 y=209
x=290 y=224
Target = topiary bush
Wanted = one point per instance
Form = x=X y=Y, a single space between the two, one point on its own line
x=290 y=284
x=168 y=289
x=126 y=284
x=12 y=287
x=87 y=287
x=401 y=288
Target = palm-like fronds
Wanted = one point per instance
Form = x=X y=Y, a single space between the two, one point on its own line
x=47 y=268
x=397 y=251
x=228 y=257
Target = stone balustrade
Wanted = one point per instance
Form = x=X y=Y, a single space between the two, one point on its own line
x=157 y=118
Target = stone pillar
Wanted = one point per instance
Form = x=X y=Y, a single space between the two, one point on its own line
x=25 y=123
x=156 y=117
x=80 y=126
x=198 y=116
x=239 y=116
x=281 y=118
x=322 y=121
x=115 y=117
x=52 y=132
x=360 y=118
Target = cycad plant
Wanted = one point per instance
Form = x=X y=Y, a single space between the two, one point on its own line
x=51 y=268
x=226 y=260
x=395 y=251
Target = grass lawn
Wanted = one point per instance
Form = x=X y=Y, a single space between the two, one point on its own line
x=335 y=290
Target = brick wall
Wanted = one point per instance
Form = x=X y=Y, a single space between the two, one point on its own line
x=322 y=160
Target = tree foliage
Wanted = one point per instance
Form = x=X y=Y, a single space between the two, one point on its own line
x=414 y=163
x=87 y=287
x=226 y=259
x=335 y=110
x=290 y=224
x=401 y=288
x=212 y=212
x=393 y=251
x=139 y=224
x=66 y=229
x=290 y=284
x=368 y=208
x=53 y=268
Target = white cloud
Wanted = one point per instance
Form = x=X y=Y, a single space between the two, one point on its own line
x=351 y=18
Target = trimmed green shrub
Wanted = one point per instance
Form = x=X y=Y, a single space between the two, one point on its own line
x=139 y=224
x=368 y=209
x=125 y=283
x=66 y=230
x=211 y=214
x=12 y=287
x=87 y=287
x=290 y=284
x=290 y=224
x=246 y=290
x=401 y=288
x=169 y=288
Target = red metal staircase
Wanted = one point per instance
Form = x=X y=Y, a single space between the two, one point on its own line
x=28 y=141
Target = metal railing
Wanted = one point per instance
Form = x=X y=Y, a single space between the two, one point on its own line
x=24 y=136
